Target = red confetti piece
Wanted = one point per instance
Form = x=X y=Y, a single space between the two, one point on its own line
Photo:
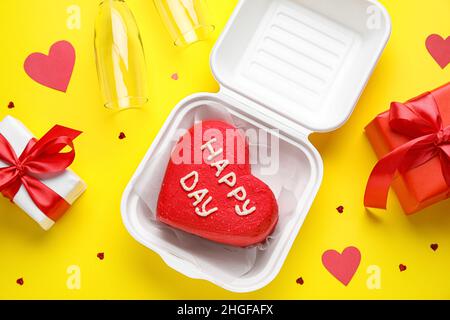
x=300 y=281
x=101 y=255
x=434 y=246
x=11 y=105
x=402 y=267
x=19 y=281
x=122 y=136
x=175 y=76
x=340 y=209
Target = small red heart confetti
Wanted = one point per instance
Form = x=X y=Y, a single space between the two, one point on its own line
x=101 y=255
x=11 y=105
x=340 y=209
x=20 y=281
x=402 y=267
x=175 y=76
x=434 y=246
x=122 y=136
x=300 y=281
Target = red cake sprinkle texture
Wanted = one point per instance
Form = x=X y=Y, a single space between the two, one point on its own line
x=175 y=76
x=402 y=267
x=20 y=281
x=300 y=281
x=11 y=105
x=434 y=246
x=340 y=209
x=122 y=136
x=101 y=255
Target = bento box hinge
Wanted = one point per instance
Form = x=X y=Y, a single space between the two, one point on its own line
x=264 y=114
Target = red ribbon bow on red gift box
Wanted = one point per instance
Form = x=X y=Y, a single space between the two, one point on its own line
x=418 y=119
x=40 y=159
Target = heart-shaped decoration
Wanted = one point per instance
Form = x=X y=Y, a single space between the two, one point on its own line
x=209 y=190
x=439 y=48
x=342 y=266
x=55 y=69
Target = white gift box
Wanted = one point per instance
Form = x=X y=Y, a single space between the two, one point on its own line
x=67 y=185
x=295 y=65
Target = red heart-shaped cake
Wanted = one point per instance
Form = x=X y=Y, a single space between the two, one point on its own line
x=209 y=190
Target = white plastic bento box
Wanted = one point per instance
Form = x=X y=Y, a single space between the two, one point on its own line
x=295 y=65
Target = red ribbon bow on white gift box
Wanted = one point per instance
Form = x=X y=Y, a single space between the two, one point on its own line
x=41 y=159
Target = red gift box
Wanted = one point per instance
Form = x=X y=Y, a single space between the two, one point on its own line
x=412 y=141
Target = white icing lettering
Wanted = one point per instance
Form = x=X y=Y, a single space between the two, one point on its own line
x=239 y=193
x=190 y=182
x=183 y=180
x=204 y=212
x=229 y=179
x=212 y=153
x=220 y=166
x=245 y=211
x=198 y=195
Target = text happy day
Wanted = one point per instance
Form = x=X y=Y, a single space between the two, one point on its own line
x=230 y=179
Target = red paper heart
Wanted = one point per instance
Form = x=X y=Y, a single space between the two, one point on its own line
x=439 y=48
x=55 y=69
x=225 y=225
x=342 y=266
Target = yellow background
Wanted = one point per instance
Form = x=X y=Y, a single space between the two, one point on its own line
x=106 y=163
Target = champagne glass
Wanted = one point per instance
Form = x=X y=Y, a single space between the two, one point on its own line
x=186 y=20
x=120 y=57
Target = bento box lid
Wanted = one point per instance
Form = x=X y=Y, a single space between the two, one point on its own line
x=304 y=61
